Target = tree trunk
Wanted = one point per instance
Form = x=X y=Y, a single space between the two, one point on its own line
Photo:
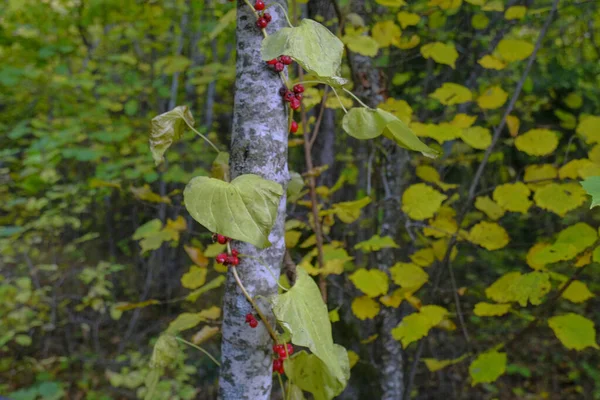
x=259 y=146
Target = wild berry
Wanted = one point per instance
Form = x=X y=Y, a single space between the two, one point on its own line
x=273 y=61
x=234 y=252
x=282 y=353
x=233 y=260
x=290 y=349
x=262 y=23
x=253 y=324
x=222 y=239
x=259 y=5
x=267 y=16
x=287 y=60
x=295 y=103
x=299 y=96
x=277 y=348
x=279 y=67
x=221 y=258
x=288 y=96
x=298 y=88
x=249 y=317
x=294 y=127
x=278 y=366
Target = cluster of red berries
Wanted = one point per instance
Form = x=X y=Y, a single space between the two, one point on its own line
x=251 y=320
x=293 y=97
x=282 y=351
x=264 y=18
x=278 y=64
x=224 y=258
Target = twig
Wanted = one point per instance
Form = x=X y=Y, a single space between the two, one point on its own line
x=319 y=119
x=182 y=340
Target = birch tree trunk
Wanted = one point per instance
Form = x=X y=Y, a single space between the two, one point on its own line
x=259 y=146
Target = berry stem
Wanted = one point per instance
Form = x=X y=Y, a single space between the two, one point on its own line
x=182 y=340
x=285 y=14
x=355 y=98
x=336 y=94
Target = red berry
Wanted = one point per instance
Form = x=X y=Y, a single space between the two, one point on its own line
x=298 y=88
x=277 y=348
x=249 y=317
x=233 y=260
x=294 y=127
x=295 y=103
x=259 y=5
x=222 y=239
x=277 y=365
x=262 y=23
x=299 y=96
x=282 y=353
x=253 y=324
x=279 y=67
x=272 y=62
x=290 y=349
x=287 y=60
x=288 y=96
x=267 y=16
x=234 y=252
x=221 y=258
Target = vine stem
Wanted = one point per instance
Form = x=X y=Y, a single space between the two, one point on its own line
x=312 y=188
x=268 y=269
x=202 y=136
x=285 y=14
x=335 y=92
x=282 y=386
x=182 y=340
x=356 y=98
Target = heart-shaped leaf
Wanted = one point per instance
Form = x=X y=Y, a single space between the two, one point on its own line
x=302 y=312
x=167 y=128
x=311 y=44
x=244 y=209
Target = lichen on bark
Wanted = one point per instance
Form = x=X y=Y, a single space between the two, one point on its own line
x=259 y=146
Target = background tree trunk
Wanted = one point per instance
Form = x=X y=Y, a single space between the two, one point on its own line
x=259 y=146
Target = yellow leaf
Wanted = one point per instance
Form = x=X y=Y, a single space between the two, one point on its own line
x=515 y=12
x=441 y=53
x=408 y=276
x=430 y=174
x=442 y=132
x=385 y=32
x=514 y=287
x=423 y=257
x=532 y=255
x=395 y=299
x=408 y=19
x=539 y=172
x=213 y=249
x=573 y=100
x=433 y=364
x=361 y=44
x=577 y=292
x=489 y=207
x=204 y=334
x=492 y=98
x=441 y=226
x=399 y=108
x=480 y=21
x=391 y=3
x=514 y=49
x=144 y=193
x=291 y=238
x=334 y=315
x=421 y=201
x=589 y=129
x=490 y=62
x=594 y=154
x=352 y=358
x=560 y=198
x=445 y=4
x=581 y=168
x=463 y=120
x=194 y=278
x=452 y=93
x=574 y=331
x=365 y=308
x=513 y=124
x=349 y=211
x=583 y=260
x=570 y=242
x=489 y=235
x=404 y=43
x=196 y=255
x=537 y=142
x=417 y=325
x=490 y=310
x=493 y=5
x=477 y=137
x=336 y=102
x=476 y=2
x=513 y=197
x=440 y=247
x=372 y=282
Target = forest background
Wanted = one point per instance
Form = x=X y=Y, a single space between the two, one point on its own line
x=467 y=276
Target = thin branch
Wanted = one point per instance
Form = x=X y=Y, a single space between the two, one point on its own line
x=319 y=119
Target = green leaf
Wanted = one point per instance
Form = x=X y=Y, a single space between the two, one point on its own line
x=574 y=331
x=302 y=311
x=148 y=229
x=165 y=351
x=215 y=283
x=592 y=187
x=310 y=44
x=310 y=373
x=194 y=278
x=187 y=321
x=487 y=367
x=244 y=209
x=167 y=128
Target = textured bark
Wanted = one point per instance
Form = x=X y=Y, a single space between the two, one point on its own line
x=259 y=146
x=368 y=86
